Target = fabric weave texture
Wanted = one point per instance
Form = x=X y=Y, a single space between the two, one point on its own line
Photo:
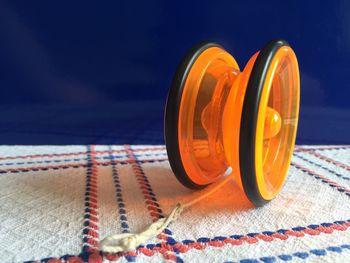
x=58 y=202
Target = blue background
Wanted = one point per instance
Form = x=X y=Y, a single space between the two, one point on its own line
x=76 y=73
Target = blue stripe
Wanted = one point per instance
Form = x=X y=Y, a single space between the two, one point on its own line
x=297 y=255
x=323 y=167
x=167 y=231
x=119 y=196
x=87 y=195
x=110 y=157
x=73 y=166
x=319 y=178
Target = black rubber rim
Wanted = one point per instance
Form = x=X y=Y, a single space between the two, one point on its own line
x=172 y=109
x=249 y=120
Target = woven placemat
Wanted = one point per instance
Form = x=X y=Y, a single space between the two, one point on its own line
x=58 y=202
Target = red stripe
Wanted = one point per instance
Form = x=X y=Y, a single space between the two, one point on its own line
x=260 y=237
x=321 y=148
x=50 y=155
x=77 y=165
x=143 y=185
x=318 y=176
x=183 y=248
x=41 y=155
x=329 y=160
x=42 y=168
x=153 y=207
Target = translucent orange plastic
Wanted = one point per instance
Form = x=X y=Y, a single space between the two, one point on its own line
x=210 y=118
x=280 y=93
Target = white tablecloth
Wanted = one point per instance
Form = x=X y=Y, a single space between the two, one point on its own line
x=58 y=202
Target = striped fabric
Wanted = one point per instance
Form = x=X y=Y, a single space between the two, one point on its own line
x=58 y=202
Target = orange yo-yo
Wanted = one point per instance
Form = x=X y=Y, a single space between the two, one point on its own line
x=219 y=118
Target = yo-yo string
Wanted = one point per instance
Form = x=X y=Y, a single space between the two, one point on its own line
x=130 y=241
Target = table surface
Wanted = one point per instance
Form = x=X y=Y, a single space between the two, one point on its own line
x=58 y=202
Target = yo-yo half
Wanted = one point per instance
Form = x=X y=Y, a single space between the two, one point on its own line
x=218 y=117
